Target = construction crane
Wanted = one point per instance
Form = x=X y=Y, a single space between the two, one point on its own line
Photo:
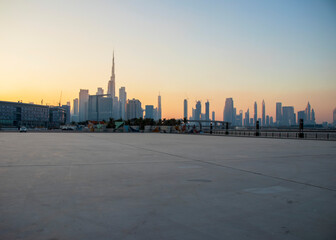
x=60 y=100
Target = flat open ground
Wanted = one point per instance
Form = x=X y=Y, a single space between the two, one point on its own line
x=165 y=186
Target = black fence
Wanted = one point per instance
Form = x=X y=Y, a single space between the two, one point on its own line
x=290 y=134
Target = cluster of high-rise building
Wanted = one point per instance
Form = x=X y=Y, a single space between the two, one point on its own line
x=196 y=113
x=285 y=115
x=102 y=106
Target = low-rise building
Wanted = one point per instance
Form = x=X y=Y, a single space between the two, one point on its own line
x=16 y=114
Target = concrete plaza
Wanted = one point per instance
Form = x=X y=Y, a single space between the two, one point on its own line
x=165 y=186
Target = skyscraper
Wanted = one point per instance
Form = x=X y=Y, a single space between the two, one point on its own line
x=267 y=120
x=159 y=107
x=213 y=116
x=111 y=83
x=207 y=110
x=155 y=114
x=247 y=118
x=278 y=117
x=115 y=108
x=67 y=113
x=255 y=113
x=263 y=114
x=334 y=117
x=301 y=115
x=239 y=119
x=312 y=117
x=229 y=111
x=308 y=116
x=288 y=116
x=75 y=106
x=198 y=111
x=149 y=111
x=133 y=109
x=185 y=109
x=122 y=102
x=75 y=116
x=83 y=104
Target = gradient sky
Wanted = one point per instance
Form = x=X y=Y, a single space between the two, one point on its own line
x=249 y=50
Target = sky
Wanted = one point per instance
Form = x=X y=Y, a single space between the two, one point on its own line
x=279 y=51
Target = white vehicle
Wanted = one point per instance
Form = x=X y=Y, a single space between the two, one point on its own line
x=23 y=129
x=68 y=127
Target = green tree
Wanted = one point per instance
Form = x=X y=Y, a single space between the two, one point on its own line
x=111 y=123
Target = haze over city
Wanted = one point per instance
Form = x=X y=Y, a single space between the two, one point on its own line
x=250 y=51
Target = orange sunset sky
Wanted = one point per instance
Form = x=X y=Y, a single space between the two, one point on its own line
x=248 y=50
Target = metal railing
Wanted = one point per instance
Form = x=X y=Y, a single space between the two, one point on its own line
x=289 y=134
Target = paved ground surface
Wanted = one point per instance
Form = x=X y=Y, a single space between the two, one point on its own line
x=165 y=186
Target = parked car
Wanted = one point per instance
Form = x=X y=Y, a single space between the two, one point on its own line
x=23 y=129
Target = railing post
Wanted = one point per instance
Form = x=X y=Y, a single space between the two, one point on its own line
x=226 y=128
x=257 y=129
x=301 y=135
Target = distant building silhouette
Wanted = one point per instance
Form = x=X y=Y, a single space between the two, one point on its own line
x=213 y=116
x=229 y=111
x=308 y=113
x=312 y=120
x=155 y=114
x=255 y=113
x=301 y=115
x=159 y=110
x=83 y=104
x=67 y=113
x=100 y=107
x=100 y=91
x=111 y=83
x=288 y=116
x=334 y=117
x=122 y=102
x=149 y=111
x=278 y=117
x=185 y=109
x=267 y=121
x=133 y=109
x=263 y=116
x=115 y=108
x=75 y=117
x=207 y=110
x=239 y=119
x=247 y=118
x=192 y=117
x=198 y=111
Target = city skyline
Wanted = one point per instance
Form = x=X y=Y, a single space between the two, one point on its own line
x=288 y=57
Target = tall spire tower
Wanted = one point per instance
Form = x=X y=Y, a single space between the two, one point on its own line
x=111 y=83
